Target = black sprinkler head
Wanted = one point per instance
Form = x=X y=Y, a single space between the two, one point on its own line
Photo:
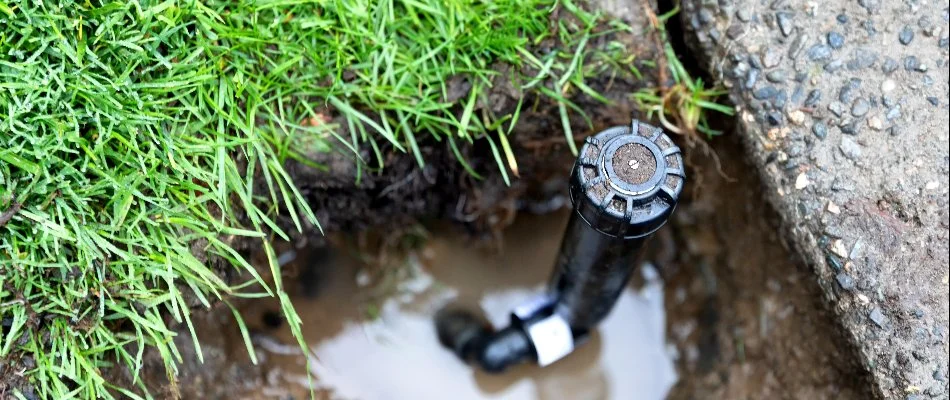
x=623 y=187
x=627 y=180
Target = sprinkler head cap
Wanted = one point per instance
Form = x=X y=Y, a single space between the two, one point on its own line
x=627 y=180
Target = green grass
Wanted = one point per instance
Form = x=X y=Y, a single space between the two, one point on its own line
x=133 y=137
x=684 y=107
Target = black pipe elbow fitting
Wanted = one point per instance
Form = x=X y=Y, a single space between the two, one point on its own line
x=624 y=186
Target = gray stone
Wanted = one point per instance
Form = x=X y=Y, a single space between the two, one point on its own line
x=849 y=148
x=740 y=70
x=771 y=57
x=819 y=52
x=765 y=93
x=798 y=94
x=835 y=40
x=868 y=26
x=813 y=98
x=735 y=31
x=846 y=94
x=862 y=58
x=706 y=16
x=845 y=281
x=849 y=127
x=751 y=77
x=837 y=108
x=785 y=23
x=888 y=101
x=797 y=45
x=934 y=101
x=842 y=19
x=777 y=76
x=877 y=317
x=780 y=98
x=756 y=61
x=911 y=63
x=893 y=113
x=890 y=65
x=744 y=15
x=926 y=26
x=833 y=65
x=906 y=35
x=795 y=150
x=871 y=5
x=775 y=118
x=860 y=107
x=819 y=129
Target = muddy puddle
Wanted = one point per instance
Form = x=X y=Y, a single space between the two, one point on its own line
x=736 y=315
x=371 y=333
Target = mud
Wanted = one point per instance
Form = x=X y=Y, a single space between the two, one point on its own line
x=372 y=336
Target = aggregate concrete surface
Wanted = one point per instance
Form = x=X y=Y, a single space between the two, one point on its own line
x=843 y=107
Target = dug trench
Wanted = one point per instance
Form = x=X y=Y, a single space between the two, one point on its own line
x=737 y=317
x=742 y=318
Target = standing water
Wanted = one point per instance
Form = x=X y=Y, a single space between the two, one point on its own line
x=367 y=346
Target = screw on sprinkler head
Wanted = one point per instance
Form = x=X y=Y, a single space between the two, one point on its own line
x=624 y=186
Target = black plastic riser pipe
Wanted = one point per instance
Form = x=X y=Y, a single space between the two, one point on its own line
x=624 y=186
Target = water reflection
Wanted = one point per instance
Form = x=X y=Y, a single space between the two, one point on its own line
x=397 y=355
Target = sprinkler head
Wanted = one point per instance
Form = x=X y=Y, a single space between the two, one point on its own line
x=627 y=180
x=624 y=186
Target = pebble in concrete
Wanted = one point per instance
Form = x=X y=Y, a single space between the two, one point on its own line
x=813 y=98
x=835 y=40
x=820 y=130
x=777 y=76
x=771 y=57
x=819 y=52
x=877 y=317
x=911 y=63
x=785 y=23
x=849 y=148
x=906 y=35
x=862 y=58
x=845 y=281
x=890 y=65
x=860 y=107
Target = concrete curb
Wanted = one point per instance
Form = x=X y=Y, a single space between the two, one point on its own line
x=844 y=109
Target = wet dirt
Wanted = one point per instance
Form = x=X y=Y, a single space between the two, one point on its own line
x=372 y=336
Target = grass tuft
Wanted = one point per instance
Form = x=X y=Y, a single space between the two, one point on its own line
x=683 y=107
x=134 y=136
